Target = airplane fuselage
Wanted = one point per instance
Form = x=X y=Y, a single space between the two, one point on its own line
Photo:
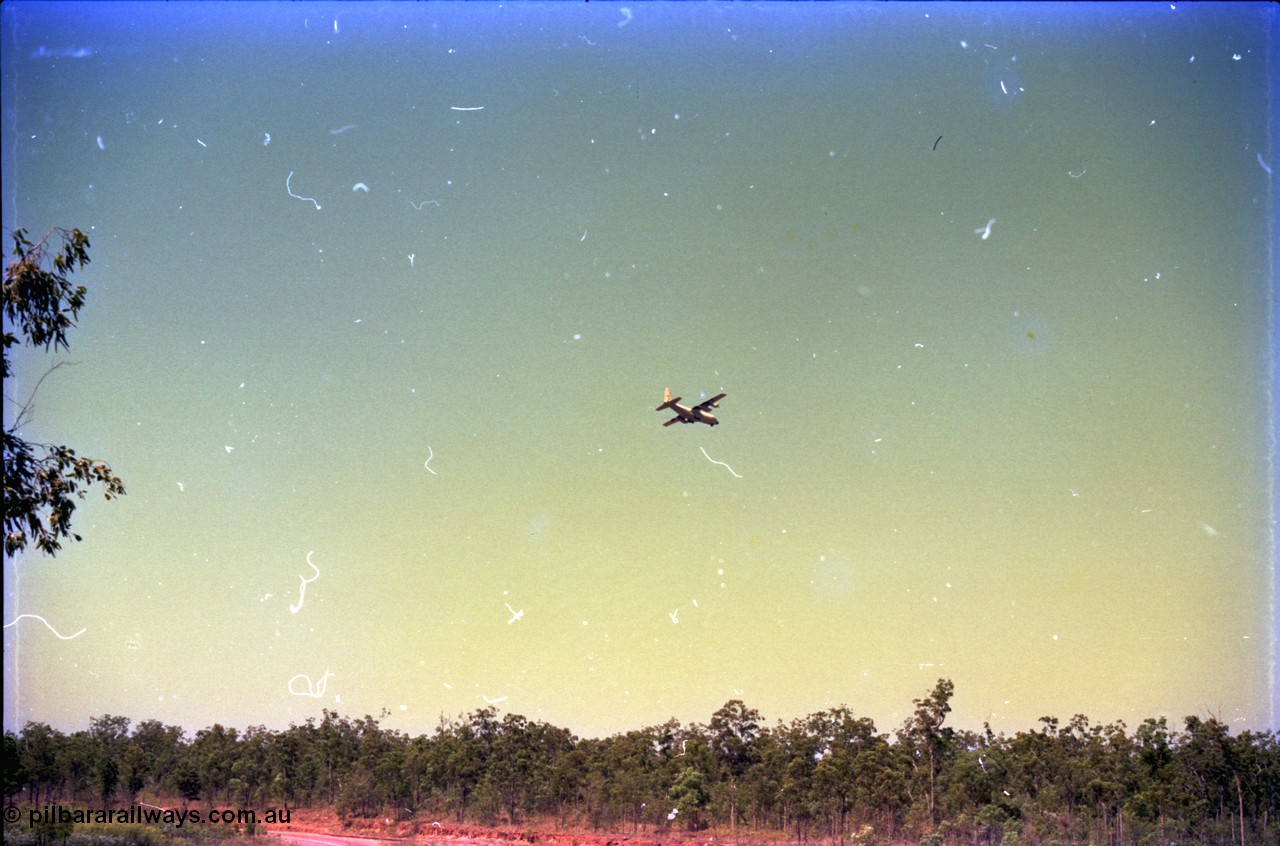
x=686 y=414
x=693 y=415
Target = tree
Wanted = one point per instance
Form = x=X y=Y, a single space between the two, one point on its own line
x=40 y=747
x=734 y=730
x=924 y=732
x=462 y=755
x=77 y=759
x=802 y=749
x=43 y=481
x=15 y=774
x=162 y=747
x=186 y=777
x=213 y=753
x=1154 y=797
x=110 y=737
x=135 y=771
x=691 y=795
x=108 y=778
x=634 y=767
x=762 y=785
x=843 y=770
x=250 y=772
x=566 y=780
x=292 y=768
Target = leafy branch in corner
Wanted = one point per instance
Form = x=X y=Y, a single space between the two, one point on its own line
x=42 y=482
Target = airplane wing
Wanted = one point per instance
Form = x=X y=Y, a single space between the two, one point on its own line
x=675 y=419
x=711 y=403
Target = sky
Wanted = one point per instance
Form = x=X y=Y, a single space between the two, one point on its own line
x=383 y=299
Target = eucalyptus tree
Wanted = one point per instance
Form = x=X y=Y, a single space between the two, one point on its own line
x=636 y=775
x=929 y=741
x=690 y=794
x=162 y=746
x=1109 y=761
x=286 y=757
x=566 y=779
x=110 y=736
x=837 y=778
x=546 y=745
x=1154 y=798
x=77 y=757
x=40 y=748
x=802 y=749
x=762 y=784
x=15 y=771
x=134 y=772
x=333 y=750
x=884 y=795
x=251 y=770
x=1210 y=777
x=461 y=752
x=734 y=732
x=43 y=482
x=213 y=753
x=522 y=755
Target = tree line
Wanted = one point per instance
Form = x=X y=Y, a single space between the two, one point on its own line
x=829 y=776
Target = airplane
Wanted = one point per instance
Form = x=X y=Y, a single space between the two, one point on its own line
x=684 y=414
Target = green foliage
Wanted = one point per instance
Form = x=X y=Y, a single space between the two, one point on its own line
x=108 y=777
x=15 y=771
x=186 y=780
x=828 y=777
x=135 y=768
x=99 y=839
x=121 y=834
x=929 y=742
x=42 y=482
x=690 y=795
x=734 y=731
x=49 y=830
x=213 y=751
x=43 y=303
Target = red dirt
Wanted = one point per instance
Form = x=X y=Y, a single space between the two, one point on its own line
x=318 y=821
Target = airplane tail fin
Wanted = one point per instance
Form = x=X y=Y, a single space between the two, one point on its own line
x=667 y=400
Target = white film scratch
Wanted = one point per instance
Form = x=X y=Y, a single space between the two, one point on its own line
x=721 y=463
x=311 y=200
x=314 y=689
x=302 y=588
x=48 y=625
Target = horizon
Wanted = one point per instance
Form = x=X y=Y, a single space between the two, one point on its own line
x=891 y=733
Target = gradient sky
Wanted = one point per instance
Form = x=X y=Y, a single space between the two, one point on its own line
x=1035 y=463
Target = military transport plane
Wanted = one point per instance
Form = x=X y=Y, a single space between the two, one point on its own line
x=684 y=414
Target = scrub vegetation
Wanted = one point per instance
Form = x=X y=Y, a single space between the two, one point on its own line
x=829 y=777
